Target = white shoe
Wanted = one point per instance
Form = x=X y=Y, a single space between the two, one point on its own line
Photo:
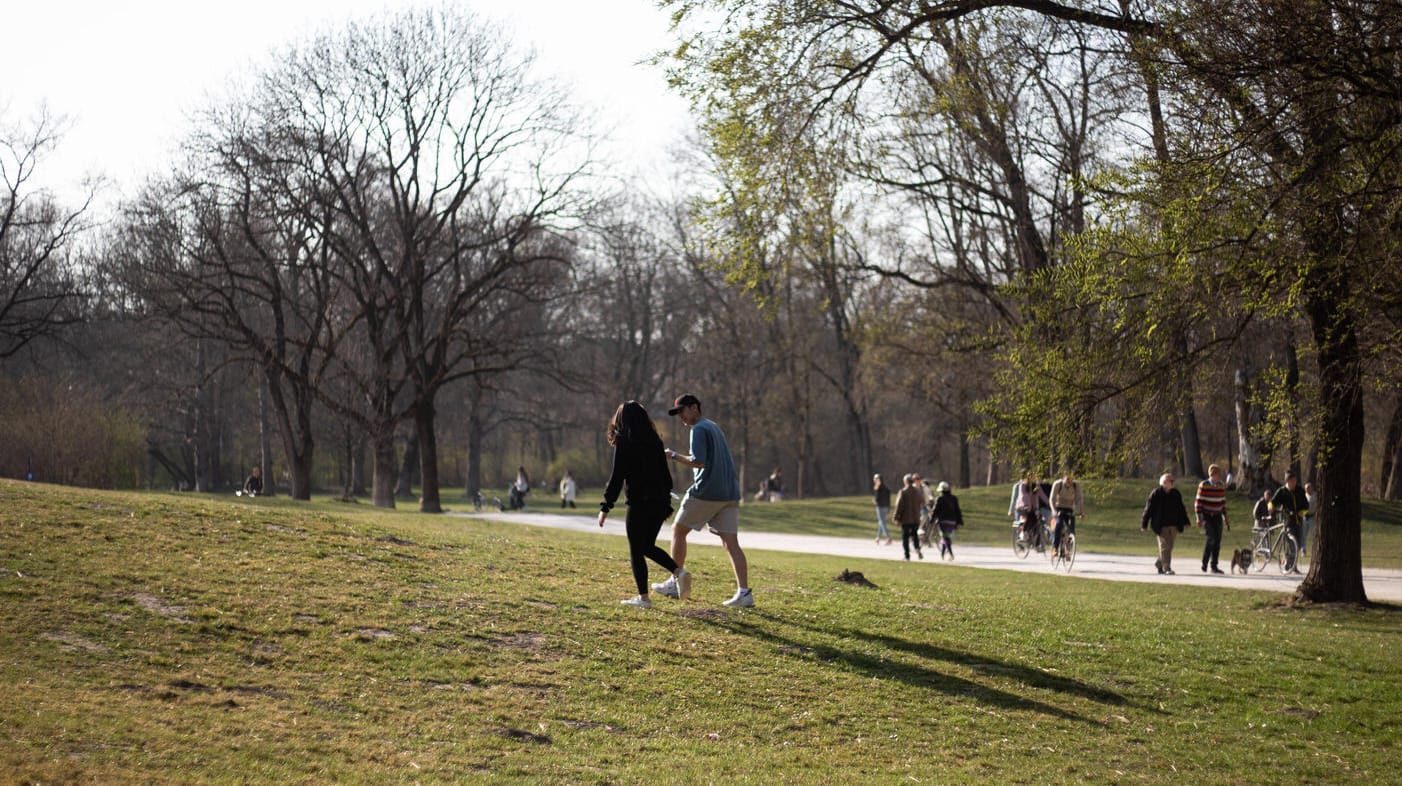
x=668 y=588
x=743 y=598
x=683 y=583
x=637 y=600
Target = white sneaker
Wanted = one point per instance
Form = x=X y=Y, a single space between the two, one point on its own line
x=668 y=588
x=637 y=600
x=683 y=583
x=743 y=598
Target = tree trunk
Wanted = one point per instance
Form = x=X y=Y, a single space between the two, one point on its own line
x=386 y=469
x=1254 y=461
x=424 y=416
x=1336 y=570
x=1390 y=480
x=1192 y=446
x=265 y=438
x=358 y=487
x=404 y=488
x=475 y=436
x=964 y=468
x=200 y=442
x=295 y=428
x=1292 y=406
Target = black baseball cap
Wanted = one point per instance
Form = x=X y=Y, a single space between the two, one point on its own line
x=682 y=402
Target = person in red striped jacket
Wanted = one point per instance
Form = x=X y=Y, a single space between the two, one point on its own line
x=1211 y=508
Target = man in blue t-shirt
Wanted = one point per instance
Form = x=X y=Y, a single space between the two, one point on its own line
x=712 y=501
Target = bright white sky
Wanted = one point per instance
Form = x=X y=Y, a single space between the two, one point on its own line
x=127 y=73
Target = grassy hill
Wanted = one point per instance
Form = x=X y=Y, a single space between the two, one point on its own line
x=178 y=639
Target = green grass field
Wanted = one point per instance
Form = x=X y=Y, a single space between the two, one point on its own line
x=172 y=639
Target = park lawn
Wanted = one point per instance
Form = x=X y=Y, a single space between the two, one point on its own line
x=177 y=639
x=1111 y=524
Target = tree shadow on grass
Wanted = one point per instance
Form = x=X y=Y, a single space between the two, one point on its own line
x=928 y=677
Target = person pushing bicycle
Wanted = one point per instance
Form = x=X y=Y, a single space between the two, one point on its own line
x=1291 y=503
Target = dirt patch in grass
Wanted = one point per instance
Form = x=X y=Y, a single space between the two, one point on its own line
x=155 y=605
x=531 y=642
x=705 y=615
x=376 y=634
x=72 y=642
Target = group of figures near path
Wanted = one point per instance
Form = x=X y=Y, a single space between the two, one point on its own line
x=1038 y=507
x=920 y=512
x=1164 y=513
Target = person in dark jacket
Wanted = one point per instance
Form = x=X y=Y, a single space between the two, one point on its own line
x=640 y=465
x=1292 y=504
x=947 y=517
x=1165 y=515
x=910 y=503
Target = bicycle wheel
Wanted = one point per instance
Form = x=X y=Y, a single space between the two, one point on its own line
x=1260 y=549
x=1068 y=551
x=1020 y=546
x=1287 y=550
x=1047 y=540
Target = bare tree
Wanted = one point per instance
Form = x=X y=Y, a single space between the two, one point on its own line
x=40 y=291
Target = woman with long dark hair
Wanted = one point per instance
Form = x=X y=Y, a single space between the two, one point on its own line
x=640 y=463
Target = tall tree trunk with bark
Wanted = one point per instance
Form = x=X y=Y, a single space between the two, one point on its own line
x=1253 y=457
x=265 y=438
x=964 y=468
x=294 y=419
x=1292 y=404
x=1390 y=479
x=1336 y=571
x=424 y=417
x=404 y=488
x=476 y=436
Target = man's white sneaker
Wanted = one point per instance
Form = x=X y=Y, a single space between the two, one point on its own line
x=637 y=600
x=683 y=584
x=743 y=598
x=668 y=588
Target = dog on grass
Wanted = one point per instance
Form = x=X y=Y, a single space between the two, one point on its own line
x=1241 y=558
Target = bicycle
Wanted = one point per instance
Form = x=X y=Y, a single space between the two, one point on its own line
x=1273 y=543
x=1065 y=556
x=1040 y=536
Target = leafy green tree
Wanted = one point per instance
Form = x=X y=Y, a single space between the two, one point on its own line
x=1279 y=198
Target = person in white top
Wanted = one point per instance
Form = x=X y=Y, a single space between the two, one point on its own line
x=567 y=490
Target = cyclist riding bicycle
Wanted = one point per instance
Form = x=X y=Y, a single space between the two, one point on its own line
x=1067 y=501
x=1027 y=500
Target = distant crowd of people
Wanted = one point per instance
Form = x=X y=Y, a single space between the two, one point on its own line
x=920 y=512
x=1039 y=509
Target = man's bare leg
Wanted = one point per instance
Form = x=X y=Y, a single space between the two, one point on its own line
x=679 y=533
x=731 y=541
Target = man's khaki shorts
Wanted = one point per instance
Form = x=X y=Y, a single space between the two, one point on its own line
x=721 y=516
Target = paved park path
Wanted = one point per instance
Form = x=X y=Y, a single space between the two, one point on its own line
x=1380 y=585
